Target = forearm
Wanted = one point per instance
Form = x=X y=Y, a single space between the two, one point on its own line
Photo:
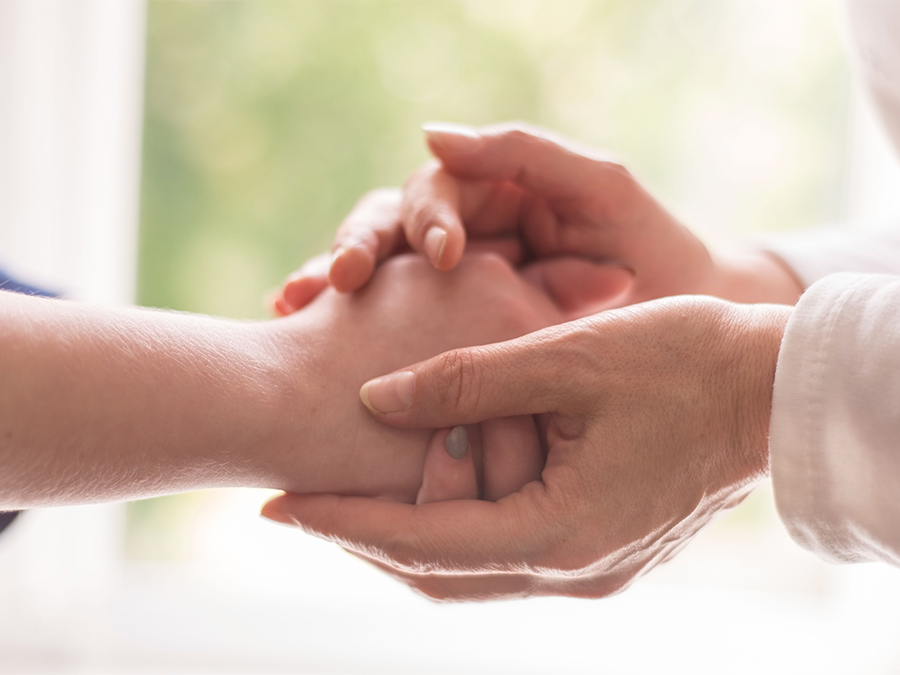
x=102 y=404
x=105 y=404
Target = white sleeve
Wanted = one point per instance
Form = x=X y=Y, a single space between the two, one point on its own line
x=834 y=437
x=816 y=253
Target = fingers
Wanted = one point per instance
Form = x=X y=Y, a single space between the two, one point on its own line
x=455 y=537
x=430 y=215
x=462 y=550
x=579 y=287
x=352 y=267
x=367 y=235
x=532 y=159
x=435 y=205
x=445 y=477
x=511 y=455
x=303 y=286
x=370 y=233
x=525 y=376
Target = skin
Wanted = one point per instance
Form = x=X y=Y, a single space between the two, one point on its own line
x=103 y=404
x=655 y=419
x=655 y=416
x=540 y=201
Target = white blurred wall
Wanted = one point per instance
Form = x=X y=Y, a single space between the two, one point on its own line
x=71 y=84
x=872 y=186
x=872 y=189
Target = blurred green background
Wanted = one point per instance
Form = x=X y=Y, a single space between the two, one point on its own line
x=266 y=120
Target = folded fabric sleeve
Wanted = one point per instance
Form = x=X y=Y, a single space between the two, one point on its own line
x=835 y=428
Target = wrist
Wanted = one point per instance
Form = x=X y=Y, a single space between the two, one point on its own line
x=321 y=438
x=286 y=405
x=758 y=345
x=242 y=422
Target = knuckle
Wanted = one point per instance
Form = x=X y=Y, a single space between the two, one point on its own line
x=578 y=347
x=426 y=212
x=423 y=207
x=518 y=132
x=372 y=212
x=619 y=169
x=528 y=143
x=375 y=200
x=421 y=175
x=618 y=175
x=356 y=236
x=458 y=375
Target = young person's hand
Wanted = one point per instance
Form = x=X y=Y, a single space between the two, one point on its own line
x=543 y=200
x=104 y=404
x=408 y=312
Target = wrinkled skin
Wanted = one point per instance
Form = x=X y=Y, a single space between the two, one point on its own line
x=575 y=221
x=654 y=416
x=656 y=419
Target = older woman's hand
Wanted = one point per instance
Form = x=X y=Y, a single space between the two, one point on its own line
x=655 y=419
x=539 y=201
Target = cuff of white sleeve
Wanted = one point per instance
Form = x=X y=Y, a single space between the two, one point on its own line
x=822 y=486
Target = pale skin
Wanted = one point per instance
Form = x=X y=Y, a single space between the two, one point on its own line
x=539 y=201
x=103 y=404
x=655 y=415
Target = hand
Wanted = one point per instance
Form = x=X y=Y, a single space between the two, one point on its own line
x=505 y=454
x=545 y=199
x=110 y=404
x=408 y=312
x=656 y=419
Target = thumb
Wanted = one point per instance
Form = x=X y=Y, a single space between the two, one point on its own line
x=535 y=160
x=465 y=386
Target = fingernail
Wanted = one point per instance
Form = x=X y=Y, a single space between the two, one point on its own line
x=452 y=137
x=457 y=442
x=435 y=243
x=391 y=393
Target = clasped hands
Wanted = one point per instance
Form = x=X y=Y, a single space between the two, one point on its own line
x=605 y=441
